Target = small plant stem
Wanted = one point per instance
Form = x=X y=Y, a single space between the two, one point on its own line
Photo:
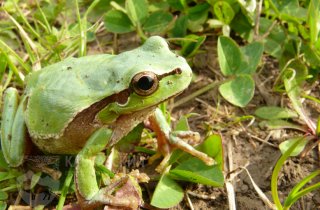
x=83 y=26
x=12 y=187
x=23 y=17
x=47 y=25
x=196 y=93
x=90 y=8
x=82 y=51
x=311 y=98
x=6 y=49
x=302 y=193
x=275 y=174
x=257 y=19
x=14 y=69
x=140 y=32
x=65 y=189
x=296 y=194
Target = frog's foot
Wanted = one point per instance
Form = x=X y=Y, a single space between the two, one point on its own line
x=123 y=193
x=169 y=140
x=177 y=139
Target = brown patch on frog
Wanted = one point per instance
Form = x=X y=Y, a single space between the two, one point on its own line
x=81 y=127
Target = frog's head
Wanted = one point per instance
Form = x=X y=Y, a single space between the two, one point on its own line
x=154 y=74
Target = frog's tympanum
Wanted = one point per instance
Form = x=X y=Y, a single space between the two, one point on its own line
x=85 y=105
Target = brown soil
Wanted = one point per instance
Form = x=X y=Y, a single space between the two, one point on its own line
x=246 y=144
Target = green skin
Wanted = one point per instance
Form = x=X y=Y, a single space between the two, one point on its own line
x=98 y=91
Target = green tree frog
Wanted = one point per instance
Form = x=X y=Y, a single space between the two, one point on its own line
x=84 y=105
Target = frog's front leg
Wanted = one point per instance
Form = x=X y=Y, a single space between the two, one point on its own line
x=169 y=140
x=13 y=128
x=88 y=192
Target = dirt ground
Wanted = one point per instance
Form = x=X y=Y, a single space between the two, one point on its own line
x=246 y=144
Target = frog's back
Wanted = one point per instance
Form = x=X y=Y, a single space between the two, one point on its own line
x=58 y=92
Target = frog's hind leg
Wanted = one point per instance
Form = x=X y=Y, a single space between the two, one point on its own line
x=13 y=128
x=88 y=193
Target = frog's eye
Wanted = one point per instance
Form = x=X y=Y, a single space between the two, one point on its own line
x=145 y=83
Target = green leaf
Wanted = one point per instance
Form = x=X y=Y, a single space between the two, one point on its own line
x=3 y=64
x=300 y=69
x=238 y=91
x=249 y=6
x=252 y=54
x=284 y=146
x=296 y=193
x=3 y=205
x=275 y=174
x=212 y=146
x=3 y=163
x=137 y=11
x=182 y=124
x=180 y=27
x=167 y=193
x=191 y=44
x=9 y=175
x=223 y=11
x=197 y=16
x=99 y=10
x=293 y=92
x=159 y=6
x=280 y=124
x=273 y=112
x=273 y=44
x=242 y=26
x=35 y=179
x=195 y=170
x=157 y=22
x=3 y=195
x=311 y=55
x=313 y=20
x=176 y=4
x=289 y=10
x=214 y=23
x=229 y=55
x=118 y=22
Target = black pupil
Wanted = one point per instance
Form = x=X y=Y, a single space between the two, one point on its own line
x=145 y=83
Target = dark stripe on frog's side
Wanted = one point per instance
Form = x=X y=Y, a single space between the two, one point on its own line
x=80 y=128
